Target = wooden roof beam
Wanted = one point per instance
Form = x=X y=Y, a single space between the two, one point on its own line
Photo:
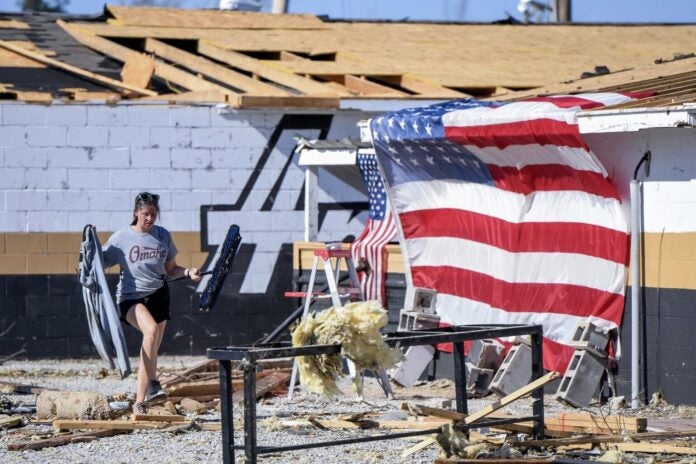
x=211 y=69
x=421 y=86
x=274 y=73
x=363 y=86
x=106 y=81
x=163 y=71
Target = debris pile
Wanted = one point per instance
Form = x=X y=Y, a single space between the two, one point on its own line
x=356 y=327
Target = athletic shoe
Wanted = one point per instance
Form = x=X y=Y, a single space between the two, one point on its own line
x=154 y=392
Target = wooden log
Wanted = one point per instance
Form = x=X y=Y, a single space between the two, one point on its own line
x=63 y=440
x=71 y=405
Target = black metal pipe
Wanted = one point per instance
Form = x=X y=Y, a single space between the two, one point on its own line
x=226 y=411
x=538 y=394
x=250 y=449
x=460 y=378
x=348 y=441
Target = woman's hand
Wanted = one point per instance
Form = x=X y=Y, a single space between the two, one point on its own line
x=193 y=273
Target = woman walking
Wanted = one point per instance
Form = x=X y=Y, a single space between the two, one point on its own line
x=146 y=255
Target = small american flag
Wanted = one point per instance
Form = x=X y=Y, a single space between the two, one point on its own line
x=379 y=230
x=507 y=213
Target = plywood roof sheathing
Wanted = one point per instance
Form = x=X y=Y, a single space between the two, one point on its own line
x=209 y=68
x=13 y=24
x=215 y=96
x=204 y=19
x=271 y=71
x=74 y=70
x=363 y=86
x=138 y=70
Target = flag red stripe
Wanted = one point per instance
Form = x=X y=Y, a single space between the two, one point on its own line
x=536 y=131
x=551 y=177
x=567 y=101
x=552 y=237
x=573 y=300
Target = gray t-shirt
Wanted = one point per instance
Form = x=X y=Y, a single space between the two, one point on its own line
x=142 y=258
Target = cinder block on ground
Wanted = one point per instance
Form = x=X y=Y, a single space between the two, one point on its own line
x=420 y=300
x=486 y=354
x=589 y=336
x=514 y=372
x=416 y=359
x=478 y=381
x=581 y=379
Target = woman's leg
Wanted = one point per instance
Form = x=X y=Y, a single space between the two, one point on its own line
x=139 y=317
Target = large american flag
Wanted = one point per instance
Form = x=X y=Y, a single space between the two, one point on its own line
x=380 y=229
x=507 y=213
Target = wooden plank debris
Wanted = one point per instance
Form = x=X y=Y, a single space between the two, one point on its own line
x=10 y=421
x=107 y=81
x=22 y=389
x=554 y=442
x=138 y=70
x=63 y=440
x=158 y=418
x=651 y=448
x=78 y=424
x=418 y=447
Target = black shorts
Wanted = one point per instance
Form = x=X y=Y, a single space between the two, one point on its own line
x=157 y=303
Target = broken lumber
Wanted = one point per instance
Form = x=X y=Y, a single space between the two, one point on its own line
x=602 y=439
x=10 y=421
x=418 y=447
x=517 y=394
x=159 y=418
x=66 y=424
x=22 y=389
x=63 y=440
x=663 y=448
x=595 y=423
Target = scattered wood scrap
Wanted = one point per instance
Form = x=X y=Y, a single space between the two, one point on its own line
x=65 y=439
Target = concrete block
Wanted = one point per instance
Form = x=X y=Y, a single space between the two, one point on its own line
x=129 y=137
x=182 y=221
x=420 y=300
x=287 y=220
x=410 y=320
x=235 y=157
x=108 y=158
x=191 y=200
x=90 y=136
x=12 y=221
x=26 y=157
x=26 y=200
x=109 y=200
x=416 y=360
x=12 y=178
x=66 y=115
x=514 y=372
x=148 y=115
x=588 y=336
x=581 y=379
x=228 y=118
x=478 y=381
x=214 y=178
x=88 y=178
x=150 y=158
x=67 y=157
x=54 y=221
x=138 y=179
x=66 y=200
x=170 y=137
x=46 y=136
x=189 y=116
x=198 y=158
x=23 y=114
x=248 y=137
x=12 y=136
x=107 y=115
x=101 y=219
x=486 y=354
x=216 y=137
x=170 y=179
x=44 y=178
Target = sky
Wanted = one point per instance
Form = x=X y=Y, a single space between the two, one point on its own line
x=611 y=11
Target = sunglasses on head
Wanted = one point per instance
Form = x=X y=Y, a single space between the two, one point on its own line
x=147 y=197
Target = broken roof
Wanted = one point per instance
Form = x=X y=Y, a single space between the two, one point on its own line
x=257 y=59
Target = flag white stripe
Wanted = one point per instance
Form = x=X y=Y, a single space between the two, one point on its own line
x=513 y=207
x=538 y=268
x=520 y=156
x=459 y=311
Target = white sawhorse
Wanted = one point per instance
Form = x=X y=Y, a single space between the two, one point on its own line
x=332 y=274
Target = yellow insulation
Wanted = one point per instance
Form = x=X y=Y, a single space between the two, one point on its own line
x=356 y=327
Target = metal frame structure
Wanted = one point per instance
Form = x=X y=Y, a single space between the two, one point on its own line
x=250 y=355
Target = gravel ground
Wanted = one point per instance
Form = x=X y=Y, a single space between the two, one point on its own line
x=205 y=446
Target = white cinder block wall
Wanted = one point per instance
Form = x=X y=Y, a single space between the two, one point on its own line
x=67 y=165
